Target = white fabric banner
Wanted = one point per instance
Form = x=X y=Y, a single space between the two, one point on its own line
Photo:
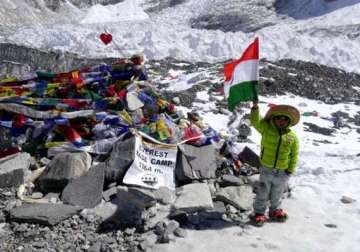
x=153 y=166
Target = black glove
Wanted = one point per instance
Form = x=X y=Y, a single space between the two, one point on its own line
x=289 y=173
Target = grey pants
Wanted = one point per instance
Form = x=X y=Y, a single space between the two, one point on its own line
x=271 y=187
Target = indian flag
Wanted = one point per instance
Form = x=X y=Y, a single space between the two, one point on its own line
x=241 y=76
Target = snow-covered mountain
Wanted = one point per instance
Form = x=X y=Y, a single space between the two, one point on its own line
x=321 y=31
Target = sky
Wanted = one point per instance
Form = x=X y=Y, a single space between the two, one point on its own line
x=325 y=173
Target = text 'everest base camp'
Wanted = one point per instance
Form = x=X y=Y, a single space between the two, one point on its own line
x=143 y=153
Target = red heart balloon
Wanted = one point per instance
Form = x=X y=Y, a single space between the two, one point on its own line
x=106 y=38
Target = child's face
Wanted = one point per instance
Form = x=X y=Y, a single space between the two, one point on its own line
x=281 y=121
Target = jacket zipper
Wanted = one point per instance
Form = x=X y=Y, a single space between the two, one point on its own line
x=277 y=150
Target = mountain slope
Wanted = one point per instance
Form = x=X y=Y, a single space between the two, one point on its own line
x=201 y=30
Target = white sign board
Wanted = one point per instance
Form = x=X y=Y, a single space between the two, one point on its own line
x=153 y=166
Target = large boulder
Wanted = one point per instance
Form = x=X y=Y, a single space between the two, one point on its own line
x=46 y=214
x=121 y=157
x=63 y=168
x=85 y=191
x=241 y=197
x=127 y=209
x=193 y=198
x=248 y=156
x=164 y=195
x=139 y=197
x=121 y=215
x=195 y=163
x=231 y=180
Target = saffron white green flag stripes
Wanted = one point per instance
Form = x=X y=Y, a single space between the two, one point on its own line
x=241 y=76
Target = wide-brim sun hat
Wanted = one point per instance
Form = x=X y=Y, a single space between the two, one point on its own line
x=285 y=110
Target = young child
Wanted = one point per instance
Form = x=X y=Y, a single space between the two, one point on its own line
x=278 y=157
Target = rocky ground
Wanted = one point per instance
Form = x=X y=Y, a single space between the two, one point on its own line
x=306 y=79
x=86 y=230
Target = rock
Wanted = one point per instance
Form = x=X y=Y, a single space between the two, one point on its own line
x=111 y=185
x=2 y=217
x=13 y=169
x=7 y=193
x=322 y=81
x=347 y=199
x=152 y=211
x=241 y=197
x=53 y=197
x=244 y=130
x=161 y=214
x=139 y=197
x=192 y=198
x=317 y=129
x=5 y=138
x=224 y=111
x=180 y=232
x=253 y=181
x=95 y=247
x=164 y=195
x=89 y=215
x=63 y=168
x=160 y=228
x=231 y=209
x=46 y=214
x=171 y=226
x=109 y=193
x=164 y=238
x=195 y=163
x=231 y=180
x=36 y=195
x=120 y=159
x=248 y=156
x=330 y=225
x=126 y=215
x=129 y=231
x=85 y=191
x=149 y=240
x=105 y=210
x=45 y=161
x=219 y=206
x=28 y=59
x=130 y=208
x=10 y=205
x=39 y=245
x=212 y=184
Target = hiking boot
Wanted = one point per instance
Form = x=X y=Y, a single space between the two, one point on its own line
x=259 y=220
x=278 y=215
